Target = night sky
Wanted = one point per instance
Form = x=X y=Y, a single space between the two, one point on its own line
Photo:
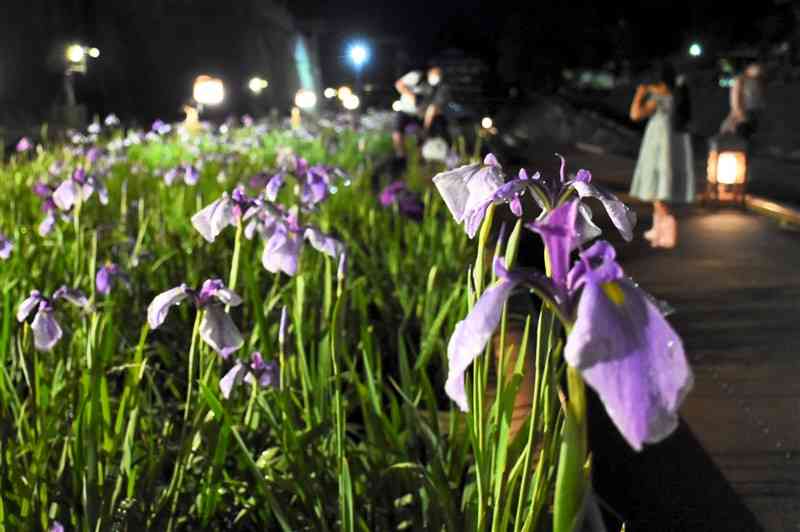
x=525 y=46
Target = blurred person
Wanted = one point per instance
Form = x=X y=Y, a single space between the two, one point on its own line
x=747 y=101
x=422 y=103
x=664 y=171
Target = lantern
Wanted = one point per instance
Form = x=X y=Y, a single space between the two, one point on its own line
x=727 y=169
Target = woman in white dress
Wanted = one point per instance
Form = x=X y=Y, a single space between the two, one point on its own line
x=664 y=171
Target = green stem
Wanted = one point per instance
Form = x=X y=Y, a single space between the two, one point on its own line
x=192 y=350
x=237 y=248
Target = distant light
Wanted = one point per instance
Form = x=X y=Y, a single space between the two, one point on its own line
x=94 y=53
x=75 y=53
x=208 y=90
x=359 y=54
x=695 y=50
x=351 y=102
x=305 y=99
x=343 y=92
x=256 y=85
x=397 y=105
x=487 y=123
x=330 y=92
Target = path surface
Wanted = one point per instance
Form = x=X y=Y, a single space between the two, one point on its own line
x=734 y=464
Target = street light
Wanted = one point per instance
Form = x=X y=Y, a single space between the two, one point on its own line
x=358 y=52
x=487 y=123
x=695 y=50
x=329 y=93
x=208 y=90
x=257 y=84
x=305 y=99
x=351 y=102
x=94 y=53
x=343 y=92
x=76 y=53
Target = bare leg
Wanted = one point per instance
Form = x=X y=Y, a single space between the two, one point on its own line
x=668 y=236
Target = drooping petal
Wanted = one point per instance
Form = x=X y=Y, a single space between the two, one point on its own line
x=27 y=306
x=211 y=220
x=71 y=295
x=557 y=230
x=600 y=261
x=66 y=194
x=218 y=330
x=281 y=251
x=471 y=336
x=452 y=187
x=324 y=243
x=190 y=175
x=628 y=353
x=232 y=378
x=585 y=229
x=623 y=218
x=159 y=307
x=46 y=330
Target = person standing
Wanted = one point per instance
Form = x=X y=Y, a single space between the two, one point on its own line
x=664 y=171
x=422 y=103
x=747 y=100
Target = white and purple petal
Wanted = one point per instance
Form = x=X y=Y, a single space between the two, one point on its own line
x=66 y=195
x=324 y=243
x=27 y=306
x=212 y=219
x=281 y=251
x=471 y=336
x=232 y=378
x=159 y=308
x=218 y=330
x=46 y=330
x=623 y=218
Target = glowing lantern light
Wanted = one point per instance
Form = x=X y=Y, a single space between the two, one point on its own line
x=397 y=105
x=208 y=90
x=93 y=53
x=330 y=92
x=727 y=169
x=487 y=123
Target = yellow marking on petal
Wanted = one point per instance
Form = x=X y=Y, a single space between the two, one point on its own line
x=614 y=293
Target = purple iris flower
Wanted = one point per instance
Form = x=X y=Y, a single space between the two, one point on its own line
x=247 y=121
x=407 y=202
x=93 y=128
x=315 y=187
x=24 y=145
x=45 y=191
x=618 y=340
x=227 y=210
x=216 y=328
x=469 y=189
x=79 y=187
x=284 y=238
x=56 y=527
x=265 y=374
x=160 y=127
x=46 y=330
x=259 y=180
x=106 y=276
x=111 y=120
x=628 y=353
x=93 y=154
x=190 y=174
x=6 y=247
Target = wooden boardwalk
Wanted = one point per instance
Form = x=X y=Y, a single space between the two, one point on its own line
x=734 y=464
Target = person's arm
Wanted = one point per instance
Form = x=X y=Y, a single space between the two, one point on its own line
x=641 y=109
x=403 y=85
x=430 y=114
x=737 y=107
x=402 y=88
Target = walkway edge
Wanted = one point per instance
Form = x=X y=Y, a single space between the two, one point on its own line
x=774 y=209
